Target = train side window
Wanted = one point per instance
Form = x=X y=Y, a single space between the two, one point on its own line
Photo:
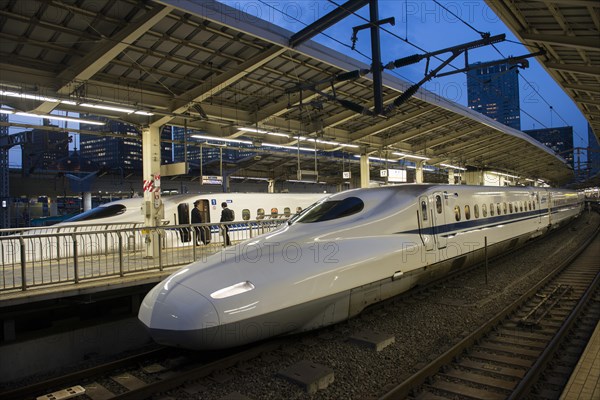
x=287 y=212
x=492 y=209
x=529 y=205
x=476 y=210
x=438 y=204
x=484 y=210
x=504 y=208
x=467 y=212
x=457 y=213
x=260 y=213
x=510 y=207
x=274 y=212
x=424 y=210
x=499 y=209
x=534 y=205
x=298 y=210
x=245 y=214
x=521 y=206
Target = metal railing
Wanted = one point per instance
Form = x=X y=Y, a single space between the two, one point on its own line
x=42 y=257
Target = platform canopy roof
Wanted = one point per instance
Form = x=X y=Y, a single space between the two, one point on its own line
x=208 y=67
x=569 y=31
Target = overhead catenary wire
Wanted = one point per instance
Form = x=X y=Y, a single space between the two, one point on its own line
x=521 y=75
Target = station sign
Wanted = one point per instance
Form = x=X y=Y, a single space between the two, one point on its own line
x=212 y=180
x=346 y=175
x=393 y=175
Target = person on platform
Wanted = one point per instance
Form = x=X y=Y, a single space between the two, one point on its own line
x=197 y=219
x=227 y=215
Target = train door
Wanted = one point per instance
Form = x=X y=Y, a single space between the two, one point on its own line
x=183 y=218
x=425 y=223
x=205 y=214
x=537 y=207
x=439 y=219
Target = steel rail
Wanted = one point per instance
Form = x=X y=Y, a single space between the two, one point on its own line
x=405 y=389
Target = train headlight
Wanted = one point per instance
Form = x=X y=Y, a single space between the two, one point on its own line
x=232 y=290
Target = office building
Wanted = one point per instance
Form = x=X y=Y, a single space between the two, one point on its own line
x=494 y=91
x=593 y=153
x=44 y=148
x=211 y=155
x=558 y=139
x=119 y=152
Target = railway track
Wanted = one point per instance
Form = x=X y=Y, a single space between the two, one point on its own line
x=529 y=349
x=139 y=376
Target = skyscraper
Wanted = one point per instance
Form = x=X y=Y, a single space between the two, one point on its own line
x=558 y=139
x=124 y=152
x=593 y=156
x=210 y=154
x=494 y=91
x=44 y=149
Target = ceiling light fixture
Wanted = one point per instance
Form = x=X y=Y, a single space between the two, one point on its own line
x=450 y=166
x=378 y=158
x=109 y=108
x=411 y=156
x=60 y=118
x=27 y=96
x=281 y=146
x=221 y=139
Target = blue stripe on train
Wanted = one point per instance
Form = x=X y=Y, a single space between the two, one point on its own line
x=487 y=222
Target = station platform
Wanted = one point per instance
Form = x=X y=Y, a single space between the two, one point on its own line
x=584 y=383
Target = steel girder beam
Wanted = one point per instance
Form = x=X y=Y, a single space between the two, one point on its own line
x=326 y=21
x=452 y=136
x=582 y=88
x=574 y=68
x=220 y=82
x=586 y=43
x=104 y=53
x=422 y=130
x=390 y=123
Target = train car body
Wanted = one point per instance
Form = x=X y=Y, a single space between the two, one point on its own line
x=177 y=208
x=347 y=251
x=91 y=227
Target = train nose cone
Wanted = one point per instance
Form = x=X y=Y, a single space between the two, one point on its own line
x=178 y=316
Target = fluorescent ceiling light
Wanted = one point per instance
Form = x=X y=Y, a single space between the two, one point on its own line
x=503 y=174
x=281 y=146
x=5 y=111
x=110 y=108
x=69 y=102
x=221 y=139
x=143 y=113
x=301 y=181
x=350 y=145
x=378 y=158
x=278 y=134
x=60 y=118
x=27 y=96
x=453 y=167
x=255 y=130
x=411 y=156
x=251 y=130
x=254 y=178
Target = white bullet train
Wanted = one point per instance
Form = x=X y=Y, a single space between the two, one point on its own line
x=127 y=214
x=177 y=208
x=343 y=253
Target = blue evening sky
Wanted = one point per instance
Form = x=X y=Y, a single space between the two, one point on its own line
x=427 y=25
